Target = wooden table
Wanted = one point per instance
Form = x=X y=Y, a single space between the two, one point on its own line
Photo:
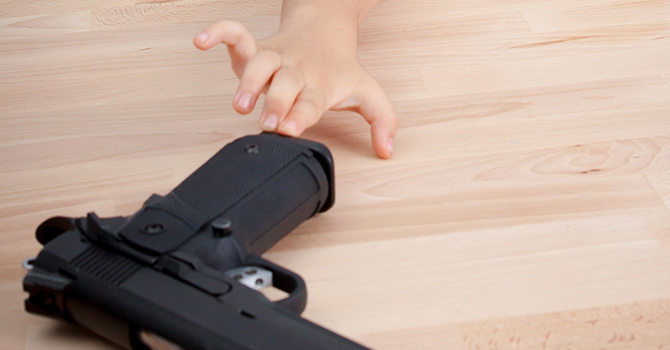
x=527 y=205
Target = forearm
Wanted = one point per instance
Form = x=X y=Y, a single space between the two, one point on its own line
x=353 y=12
x=326 y=24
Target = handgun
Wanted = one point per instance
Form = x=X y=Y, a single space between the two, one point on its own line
x=185 y=271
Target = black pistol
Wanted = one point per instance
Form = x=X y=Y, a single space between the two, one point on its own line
x=184 y=271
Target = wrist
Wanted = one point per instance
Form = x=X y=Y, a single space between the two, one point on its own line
x=321 y=22
x=349 y=12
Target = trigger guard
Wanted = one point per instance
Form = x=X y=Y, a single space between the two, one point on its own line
x=286 y=281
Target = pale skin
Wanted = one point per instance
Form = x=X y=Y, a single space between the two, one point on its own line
x=307 y=68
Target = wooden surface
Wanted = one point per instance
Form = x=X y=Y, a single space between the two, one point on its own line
x=527 y=205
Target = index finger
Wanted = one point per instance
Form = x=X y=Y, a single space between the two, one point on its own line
x=241 y=43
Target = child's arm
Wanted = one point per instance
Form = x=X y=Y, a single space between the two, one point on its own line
x=308 y=67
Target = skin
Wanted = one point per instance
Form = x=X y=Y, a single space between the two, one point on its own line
x=308 y=67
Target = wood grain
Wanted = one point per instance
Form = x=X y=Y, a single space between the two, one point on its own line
x=527 y=205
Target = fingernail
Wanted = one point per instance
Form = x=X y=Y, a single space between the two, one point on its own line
x=202 y=37
x=270 y=123
x=244 y=101
x=389 y=145
x=289 y=128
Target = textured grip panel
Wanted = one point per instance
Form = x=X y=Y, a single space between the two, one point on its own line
x=266 y=185
x=236 y=170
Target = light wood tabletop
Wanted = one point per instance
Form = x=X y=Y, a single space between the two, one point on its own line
x=527 y=204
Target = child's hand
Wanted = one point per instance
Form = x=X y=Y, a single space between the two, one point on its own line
x=305 y=69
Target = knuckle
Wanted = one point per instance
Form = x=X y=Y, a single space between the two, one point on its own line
x=268 y=58
x=313 y=102
x=290 y=78
x=278 y=104
x=236 y=30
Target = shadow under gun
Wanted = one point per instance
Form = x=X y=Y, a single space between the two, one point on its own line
x=184 y=272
